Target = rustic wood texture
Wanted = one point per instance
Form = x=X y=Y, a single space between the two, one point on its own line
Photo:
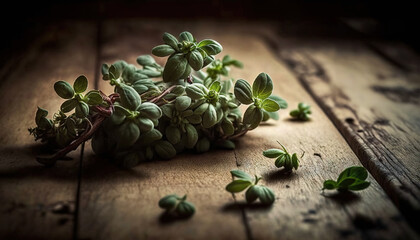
x=39 y=202
x=123 y=204
x=374 y=104
x=103 y=201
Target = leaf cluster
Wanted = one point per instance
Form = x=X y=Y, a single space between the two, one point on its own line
x=177 y=206
x=243 y=180
x=283 y=158
x=302 y=112
x=351 y=179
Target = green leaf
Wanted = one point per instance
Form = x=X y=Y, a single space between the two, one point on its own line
x=175 y=67
x=81 y=84
x=294 y=113
x=295 y=161
x=127 y=134
x=238 y=185
x=163 y=50
x=262 y=86
x=145 y=124
x=114 y=72
x=266 y=196
x=303 y=106
x=280 y=101
x=182 y=103
x=149 y=137
x=253 y=116
x=117 y=118
x=359 y=185
x=273 y=115
x=146 y=60
x=40 y=114
x=357 y=172
x=225 y=144
x=215 y=86
x=192 y=136
x=170 y=40
x=186 y=36
x=209 y=117
x=168 y=202
x=280 y=161
x=203 y=145
x=241 y=175
x=129 y=97
x=345 y=182
x=185 y=209
x=201 y=109
x=243 y=92
x=208 y=60
x=64 y=89
x=167 y=110
x=211 y=47
x=195 y=60
x=82 y=110
x=252 y=193
x=150 y=110
x=69 y=105
x=94 y=98
x=273 y=153
x=270 y=105
x=165 y=150
x=173 y=134
x=227 y=127
x=330 y=184
x=196 y=91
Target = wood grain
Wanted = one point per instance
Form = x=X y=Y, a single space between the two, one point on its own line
x=39 y=202
x=374 y=104
x=121 y=204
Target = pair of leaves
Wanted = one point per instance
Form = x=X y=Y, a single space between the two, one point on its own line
x=185 y=54
x=221 y=67
x=260 y=96
x=283 y=158
x=177 y=206
x=352 y=178
x=75 y=98
x=302 y=112
x=243 y=181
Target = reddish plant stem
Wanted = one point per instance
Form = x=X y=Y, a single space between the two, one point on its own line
x=168 y=90
x=102 y=114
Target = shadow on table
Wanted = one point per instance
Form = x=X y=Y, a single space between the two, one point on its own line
x=239 y=206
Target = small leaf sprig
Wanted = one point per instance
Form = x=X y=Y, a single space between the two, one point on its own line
x=259 y=99
x=351 y=179
x=302 y=112
x=177 y=206
x=243 y=180
x=283 y=158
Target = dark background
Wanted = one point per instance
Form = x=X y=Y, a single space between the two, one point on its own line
x=386 y=20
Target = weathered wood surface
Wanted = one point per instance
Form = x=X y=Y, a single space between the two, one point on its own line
x=373 y=102
x=118 y=204
x=38 y=202
x=122 y=204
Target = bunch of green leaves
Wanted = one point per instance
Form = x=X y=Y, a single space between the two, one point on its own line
x=185 y=53
x=260 y=99
x=283 y=158
x=62 y=129
x=302 y=112
x=154 y=113
x=243 y=180
x=351 y=179
x=177 y=206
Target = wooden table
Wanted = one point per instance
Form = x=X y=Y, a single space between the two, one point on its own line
x=364 y=93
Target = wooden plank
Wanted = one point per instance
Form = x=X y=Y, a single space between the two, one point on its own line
x=121 y=204
x=374 y=105
x=300 y=211
x=39 y=202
